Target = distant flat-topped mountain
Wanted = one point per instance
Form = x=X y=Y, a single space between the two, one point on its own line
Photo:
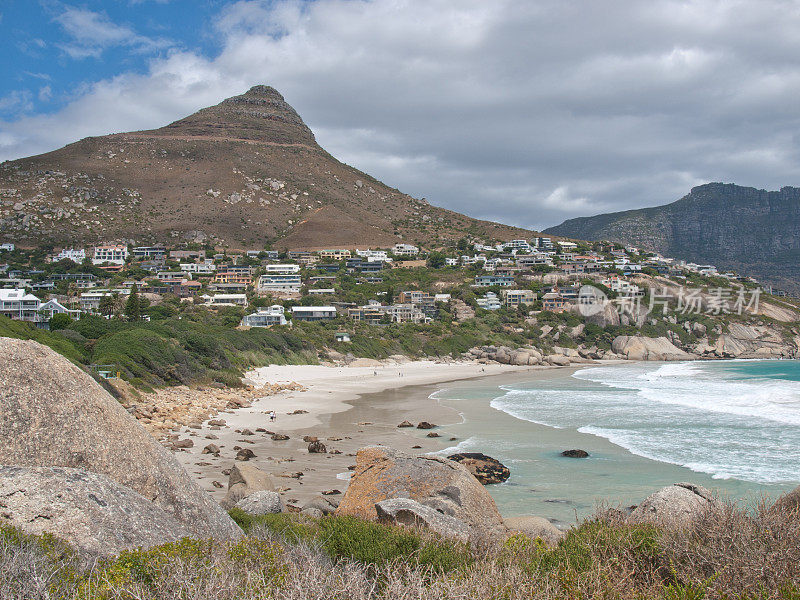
x=244 y=172
x=753 y=231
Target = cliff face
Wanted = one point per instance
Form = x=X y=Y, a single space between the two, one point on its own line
x=754 y=232
x=244 y=172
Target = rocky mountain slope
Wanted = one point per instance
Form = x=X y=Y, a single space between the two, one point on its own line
x=753 y=231
x=244 y=172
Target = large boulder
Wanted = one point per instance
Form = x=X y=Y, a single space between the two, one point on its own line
x=535 y=527
x=635 y=347
x=243 y=481
x=410 y=513
x=383 y=473
x=54 y=414
x=486 y=469
x=675 y=506
x=261 y=503
x=91 y=511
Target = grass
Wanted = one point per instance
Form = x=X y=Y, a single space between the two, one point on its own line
x=747 y=553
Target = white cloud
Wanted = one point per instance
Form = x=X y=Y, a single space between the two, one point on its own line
x=526 y=112
x=92 y=32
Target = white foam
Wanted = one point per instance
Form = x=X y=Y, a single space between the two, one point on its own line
x=696 y=415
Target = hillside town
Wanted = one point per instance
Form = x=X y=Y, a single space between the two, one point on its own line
x=304 y=285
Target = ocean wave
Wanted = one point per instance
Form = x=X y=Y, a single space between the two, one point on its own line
x=749 y=466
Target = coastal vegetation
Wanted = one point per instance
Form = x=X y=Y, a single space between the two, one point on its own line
x=742 y=552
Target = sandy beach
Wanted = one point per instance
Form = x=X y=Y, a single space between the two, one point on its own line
x=345 y=407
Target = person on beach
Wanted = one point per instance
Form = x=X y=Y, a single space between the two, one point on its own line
x=272 y=415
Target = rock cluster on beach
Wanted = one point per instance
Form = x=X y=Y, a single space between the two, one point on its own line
x=484 y=468
x=169 y=408
x=560 y=357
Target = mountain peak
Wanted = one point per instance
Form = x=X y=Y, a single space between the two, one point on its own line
x=260 y=115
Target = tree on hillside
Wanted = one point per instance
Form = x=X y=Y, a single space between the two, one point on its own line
x=60 y=321
x=436 y=260
x=108 y=304
x=132 y=307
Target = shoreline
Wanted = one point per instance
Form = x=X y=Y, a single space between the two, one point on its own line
x=346 y=407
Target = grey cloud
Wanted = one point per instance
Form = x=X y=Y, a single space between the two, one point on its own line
x=524 y=112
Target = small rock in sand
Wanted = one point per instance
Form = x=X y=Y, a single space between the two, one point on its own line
x=216 y=484
x=211 y=449
x=425 y=425
x=183 y=444
x=433 y=434
x=416 y=447
x=331 y=492
x=406 y=424
x=310 y=438
x=211 y=436
x=245 y=454
x=217 y=422
x=316 y=448
x=299 y=411
x=247 y=432
x=279 y=437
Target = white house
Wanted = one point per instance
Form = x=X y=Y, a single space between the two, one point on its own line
x=113 y=254
x=202 y=268
x=489 y=302
x=405 y=250
x=313 y=313
x=265 y=317
x=75 y=255
x=90 y=301
x=283 y=269
x=277 y=283
x=54 y=307
x=225 y=300
x=20 y=305
x=7 y=247
x=374 y=255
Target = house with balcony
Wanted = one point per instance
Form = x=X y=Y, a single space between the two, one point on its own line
x=266 y=316
x=149 y=252
x=278 y=284
x=222 y=300
x=554 y=301
x=282 y=269
x=405 y=250
x=334 y=254
x=490 y=301
x=112 y=254
x=490 y=280
x=20 y=305
x=76 y=255
x=371 y=314
x=207 y=267
x=54 y=307
x=515 y=298
x=313 y=313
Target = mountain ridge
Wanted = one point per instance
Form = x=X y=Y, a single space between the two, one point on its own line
x=244 y=173
x=753 y=231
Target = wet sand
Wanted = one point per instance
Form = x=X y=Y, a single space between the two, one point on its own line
x=347 y=408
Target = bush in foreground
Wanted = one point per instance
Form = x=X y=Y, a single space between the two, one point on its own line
x=733 y=553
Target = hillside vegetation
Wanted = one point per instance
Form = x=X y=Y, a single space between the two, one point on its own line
x=734 y=553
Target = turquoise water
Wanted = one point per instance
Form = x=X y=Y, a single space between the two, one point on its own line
x=730 y=425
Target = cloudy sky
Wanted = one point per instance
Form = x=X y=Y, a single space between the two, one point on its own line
x=522 y=111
